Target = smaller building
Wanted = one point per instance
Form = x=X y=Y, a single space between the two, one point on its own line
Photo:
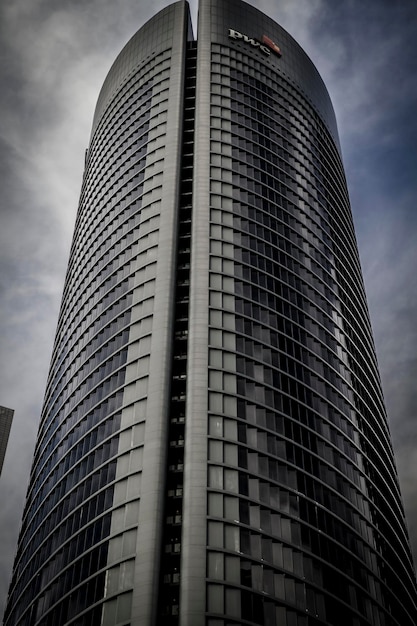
x=6 y=417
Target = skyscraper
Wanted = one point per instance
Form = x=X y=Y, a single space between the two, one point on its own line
x=6 y=418
x=213 y=447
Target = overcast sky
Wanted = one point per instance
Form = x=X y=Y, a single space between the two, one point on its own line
x=53 y=59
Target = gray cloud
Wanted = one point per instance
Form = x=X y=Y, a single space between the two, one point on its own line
x=54 y=59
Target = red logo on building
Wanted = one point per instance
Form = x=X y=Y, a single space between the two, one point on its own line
x=271 y=44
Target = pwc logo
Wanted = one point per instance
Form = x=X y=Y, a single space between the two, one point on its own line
x=266 y=45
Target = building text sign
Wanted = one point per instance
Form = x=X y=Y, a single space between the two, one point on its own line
x=266 y=45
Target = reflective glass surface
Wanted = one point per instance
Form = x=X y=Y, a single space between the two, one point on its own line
x=305 y=521
x=298 y=520
x=61 y=571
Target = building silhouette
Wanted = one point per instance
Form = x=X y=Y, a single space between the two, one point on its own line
x=6 y=418
x=213 y=448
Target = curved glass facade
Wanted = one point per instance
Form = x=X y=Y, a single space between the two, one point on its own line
x=302 y=489
x=213 y=448
x=76 y=555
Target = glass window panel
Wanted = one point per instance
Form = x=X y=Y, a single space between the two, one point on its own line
x=253 y=484
x=215 y=504
x=215 y=247
x=229 y=361
x=215 y=402
x=132 y=512
x=229 y=383
x=286 y=529
x=215 y=357
x=216 y=426
x=133 y=487
x=109 y=613
x=289 y=589
x=231 y=508
x=216 y=451
x=298 y=563
x=215 y=380
x=254 y=516
x=233 y=602
x=232 y=538
x=215 y=477
x=215 y=316
x=255 y=546
x=124 y=603
x=215 y=281
x=230 y=429
x=232 y=568
x=112 y=581
x=279 y=588
x=257 y=577
x=215 y=338
x=230 y=454
x=215 y=299
x=215 y=565
x=231 y=480
x=287 y=559
x=215 y=600
x=215 y=534
x=228 y=300
x=277 y=555
x=229 y=341
x=268 y=581
x=127 y=574
x=230 y=405
x=129 y=542
x=215 y=266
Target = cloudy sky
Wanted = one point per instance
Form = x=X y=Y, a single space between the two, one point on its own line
x=53 y=59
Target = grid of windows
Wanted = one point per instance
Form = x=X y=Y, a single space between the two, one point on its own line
x=169 y=592
x=305 y=524
x=213 y=447
x=64 y=541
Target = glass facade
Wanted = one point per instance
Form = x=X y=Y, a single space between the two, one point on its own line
x=6 y=418
x=77 y=547
x=213 y=448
